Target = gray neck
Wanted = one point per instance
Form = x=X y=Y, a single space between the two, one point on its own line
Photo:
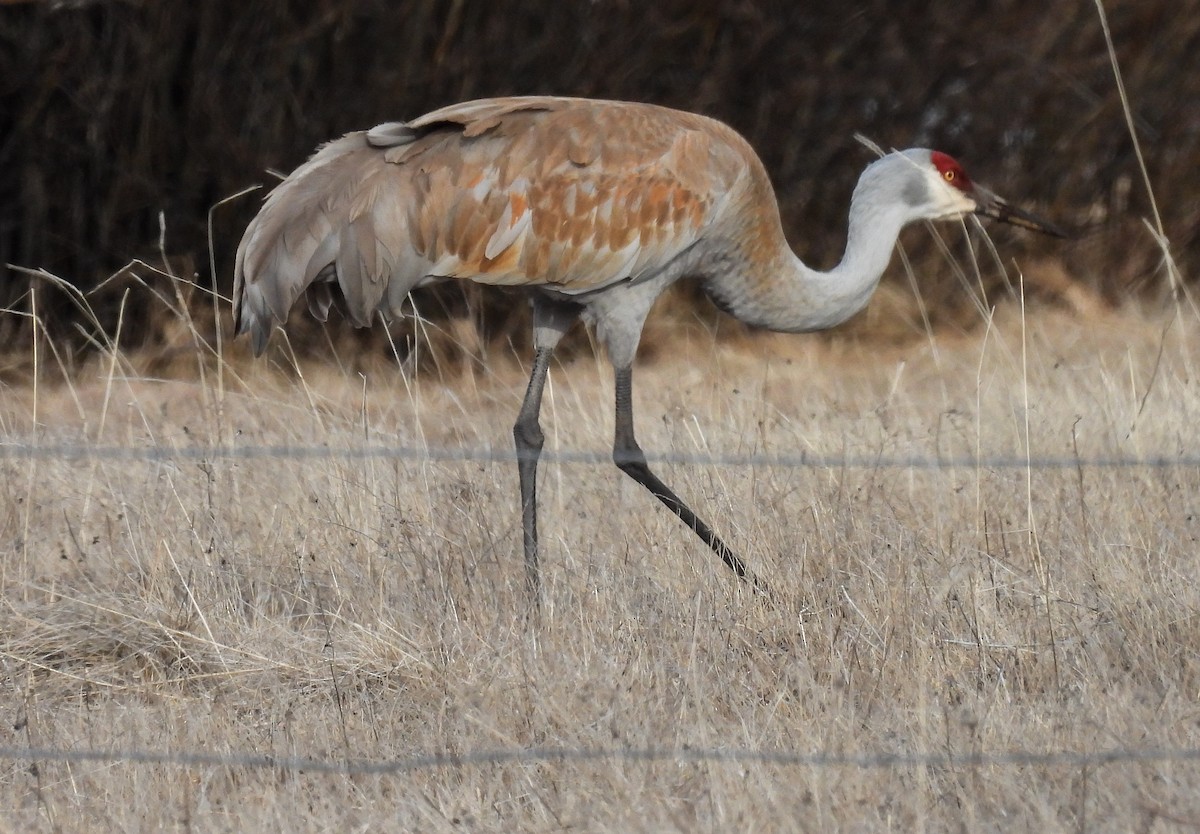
x=792 y=297
x=844 y=290
x=768 y=286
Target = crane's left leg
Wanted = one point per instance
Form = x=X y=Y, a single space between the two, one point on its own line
x=629 y=456
x=551 y=319
x=527 y=434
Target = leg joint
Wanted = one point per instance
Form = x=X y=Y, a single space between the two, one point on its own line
x=629 y=456
x=528 y=433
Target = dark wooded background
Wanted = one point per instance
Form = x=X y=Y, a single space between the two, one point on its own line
x=113 y=114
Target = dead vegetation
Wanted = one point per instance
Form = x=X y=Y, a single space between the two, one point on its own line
x=170 y=586
x=979 y=527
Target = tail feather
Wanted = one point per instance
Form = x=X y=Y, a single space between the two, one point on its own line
x=330 y=224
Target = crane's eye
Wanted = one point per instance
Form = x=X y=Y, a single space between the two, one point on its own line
x=948 y=176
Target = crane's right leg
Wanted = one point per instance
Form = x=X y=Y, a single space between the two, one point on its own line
x=628 y=455
x=550 y=321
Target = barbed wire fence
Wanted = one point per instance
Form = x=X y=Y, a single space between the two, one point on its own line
x=192 y=759
x=545 y=755
x=81 y=452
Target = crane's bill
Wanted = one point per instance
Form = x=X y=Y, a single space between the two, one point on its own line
x=988 y=204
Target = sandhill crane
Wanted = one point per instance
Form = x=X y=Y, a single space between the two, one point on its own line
x=595 y=208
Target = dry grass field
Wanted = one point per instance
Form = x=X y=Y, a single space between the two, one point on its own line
x=940 y=641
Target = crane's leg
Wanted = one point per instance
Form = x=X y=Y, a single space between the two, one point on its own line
x=527 y=432
x=551 y=319
x=629 y=456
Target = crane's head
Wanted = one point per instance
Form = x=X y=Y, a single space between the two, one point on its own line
x=948 y=193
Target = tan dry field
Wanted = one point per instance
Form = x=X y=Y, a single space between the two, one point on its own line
x=933 y=631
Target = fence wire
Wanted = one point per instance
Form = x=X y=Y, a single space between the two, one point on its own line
x=535 y=755
x=73 y=452
x=543 y=755
x=546 y=755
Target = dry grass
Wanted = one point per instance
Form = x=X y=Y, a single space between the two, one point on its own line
x=372 y=609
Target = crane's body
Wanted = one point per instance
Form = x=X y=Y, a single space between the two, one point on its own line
x=593 y=207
